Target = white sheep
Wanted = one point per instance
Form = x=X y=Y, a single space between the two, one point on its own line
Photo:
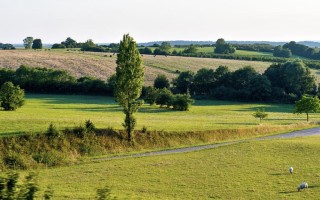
x=291 y=170
x=302 y=186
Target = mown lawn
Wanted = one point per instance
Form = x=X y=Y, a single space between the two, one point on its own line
x=72 y=110
x=250 y=170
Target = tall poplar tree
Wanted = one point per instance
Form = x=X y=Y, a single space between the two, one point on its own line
x=129 y=81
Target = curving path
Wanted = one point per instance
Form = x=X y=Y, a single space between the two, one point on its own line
x=301 y=133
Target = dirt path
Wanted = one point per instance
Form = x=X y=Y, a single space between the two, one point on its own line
x=301 y=133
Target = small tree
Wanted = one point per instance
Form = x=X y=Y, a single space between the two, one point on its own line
x=307 y=104
x=37 y=44
x=11 y=96
x=260 y=113
x=129 y=81
x=27 y=42
x=161 y=82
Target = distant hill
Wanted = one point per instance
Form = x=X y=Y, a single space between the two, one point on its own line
x=186 y=42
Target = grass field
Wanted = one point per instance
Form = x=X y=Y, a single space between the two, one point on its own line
x=250 y=170
x=69 y=111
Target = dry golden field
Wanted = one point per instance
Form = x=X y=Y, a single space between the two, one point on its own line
x=101 y=65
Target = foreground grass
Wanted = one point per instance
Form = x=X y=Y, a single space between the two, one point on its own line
x=250 y=170
x=69 y=111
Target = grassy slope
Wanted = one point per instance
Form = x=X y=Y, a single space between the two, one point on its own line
x=69 y=111
x=251 y=170
x=102 y=66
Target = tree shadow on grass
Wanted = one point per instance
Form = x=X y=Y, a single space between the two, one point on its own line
x=118 y=108
x=277 y=174
x=72 y=99
x=156 y=110
x=93 y=109
x=288 y=192
x=269 y=108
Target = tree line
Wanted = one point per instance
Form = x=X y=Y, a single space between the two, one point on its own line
x=297 y=49
x=43 y=80
x=285 y=82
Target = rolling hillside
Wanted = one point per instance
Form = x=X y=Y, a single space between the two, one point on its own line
x=101 y=65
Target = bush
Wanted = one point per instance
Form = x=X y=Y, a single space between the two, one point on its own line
x=58 y=46
x=49 y=158
x=52 y=131
x=90 y=126
x=182 y=102
x=80 y=131
x=11 y=96
x=15 y=161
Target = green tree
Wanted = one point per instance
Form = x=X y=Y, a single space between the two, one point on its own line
x=182 y=102
x=27 y=42
x=151 y=95
x=70 y=43
x=307 y=104
x=203 y=81
x=161 y=81
x=164 y=97
x=260 y=88
x=281 y=52
x=293 y=77
x=190 y=49
x=221 y=47
x=37 y=44
x=260 y=113
x=11 y=96
x=129 y=73
x=184 y=81
x=163 y=49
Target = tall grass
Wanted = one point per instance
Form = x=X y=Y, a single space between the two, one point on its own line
x=47 y=150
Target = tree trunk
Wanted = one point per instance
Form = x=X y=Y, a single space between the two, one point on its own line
x=307 y=117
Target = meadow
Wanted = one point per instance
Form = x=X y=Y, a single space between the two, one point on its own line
x=248 y=170
x=73 y=110
x=101 y=65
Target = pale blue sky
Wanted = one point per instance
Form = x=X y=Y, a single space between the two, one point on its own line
x=152 y=20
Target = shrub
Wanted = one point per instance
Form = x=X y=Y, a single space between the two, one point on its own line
x=52 y=131
x=15 y=161
x=11 y=96
x=79 y=131
x=90 y=126
x=49 y=158
x=182 y=102
x=144 y=129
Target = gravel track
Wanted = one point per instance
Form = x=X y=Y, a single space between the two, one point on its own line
x=301 y=133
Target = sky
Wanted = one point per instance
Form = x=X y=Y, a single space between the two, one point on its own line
x=106 y=21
